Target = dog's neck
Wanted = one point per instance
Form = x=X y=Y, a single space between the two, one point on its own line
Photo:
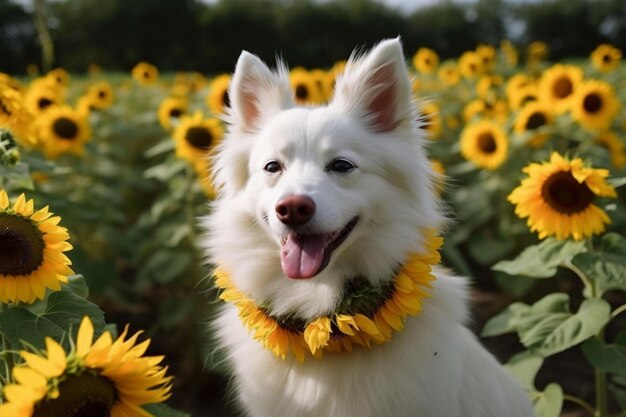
x=360 y=296
x=367 y=313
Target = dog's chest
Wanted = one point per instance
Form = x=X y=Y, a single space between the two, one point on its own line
x=405 y=377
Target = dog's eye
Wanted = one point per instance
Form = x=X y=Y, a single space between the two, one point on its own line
x=340 y=165
x=272 y=167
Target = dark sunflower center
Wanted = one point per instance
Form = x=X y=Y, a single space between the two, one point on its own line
x=199 y=137
x=176 y=113
x=83 y=395
x=4 y=109
x=146 y=75
x=226 y=99
x=302 y=92
x=563 y=87
x=44 y=103
x=536 y=120
x=486 y=143
x=606 y=58
x=102 y=94
x=592 y=103
x=21 y=245
x=566 y=195
x=65 y=128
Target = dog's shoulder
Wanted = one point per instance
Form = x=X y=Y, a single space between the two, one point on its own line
x=451 y=294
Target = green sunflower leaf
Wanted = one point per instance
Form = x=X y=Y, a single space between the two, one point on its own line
x=549 y=402
x=542 y=260
x=62 y=311
x=607 y=268
x=548 y=326
x=616 y=182
x=524 y=367
x=162 y=410
x=505 y=322
x=610 y=357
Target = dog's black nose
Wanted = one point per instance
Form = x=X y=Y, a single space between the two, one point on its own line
x=295 y=210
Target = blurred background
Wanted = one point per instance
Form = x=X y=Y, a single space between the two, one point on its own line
x=131 y=198
x=207 y=36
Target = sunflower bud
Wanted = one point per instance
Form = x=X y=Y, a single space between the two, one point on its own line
x=9 y=154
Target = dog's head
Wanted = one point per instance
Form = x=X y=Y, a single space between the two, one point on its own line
x=311 y=197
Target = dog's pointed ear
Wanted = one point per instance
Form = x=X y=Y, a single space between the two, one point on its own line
x=257 y=93
x=376 y=88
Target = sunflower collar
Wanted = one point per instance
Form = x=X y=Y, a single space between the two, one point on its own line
x=368 y=314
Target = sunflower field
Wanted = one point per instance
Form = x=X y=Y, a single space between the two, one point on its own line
x=105 y=298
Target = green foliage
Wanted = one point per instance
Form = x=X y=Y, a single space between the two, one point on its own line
x=546 y=403
x=542 y=260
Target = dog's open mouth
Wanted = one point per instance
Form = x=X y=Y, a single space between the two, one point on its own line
x=305 y=255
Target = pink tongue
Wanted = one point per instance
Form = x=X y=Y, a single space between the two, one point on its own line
x=301 y=257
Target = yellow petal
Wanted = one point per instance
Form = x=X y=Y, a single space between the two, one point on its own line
x=30 y=378
x=20 y=204
x=84 y=337
x=4 y=200
x=42 y=365
x=56 y=353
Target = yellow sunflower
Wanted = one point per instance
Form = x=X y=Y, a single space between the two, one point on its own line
x=426 y=61
x=557 y=198
x=536 y=52
x=615 y=146
x=606 y=57
x=31 y=251
x=102 y=378
x=324 y=81
x=59 y=77
x=218 y=100
x=145 y=74
x=40 y=97
x=595 y=105
x=171 y=109
x=431 y=119
x=15 y=117
x=484 y=143
x=305 y=89
x=517 y=82
x=488 y=109
x=62 y=130
x=196 y=137
x=487 y=55
x=101 y=95
x=558 y=85
x=533 y=116
x=488 y=85
x=523 y=96
x=449 y=74
x=470 y=65
x=196 y=82
x=335 y=72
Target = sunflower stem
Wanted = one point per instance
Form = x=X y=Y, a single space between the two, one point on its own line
x=619 y=310
x=584 y=404
x=601 y=400
x=583 y=277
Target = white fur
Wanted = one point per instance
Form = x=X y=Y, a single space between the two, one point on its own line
x=435 y=367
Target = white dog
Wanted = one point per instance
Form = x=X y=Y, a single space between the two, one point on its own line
x=322 y=233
